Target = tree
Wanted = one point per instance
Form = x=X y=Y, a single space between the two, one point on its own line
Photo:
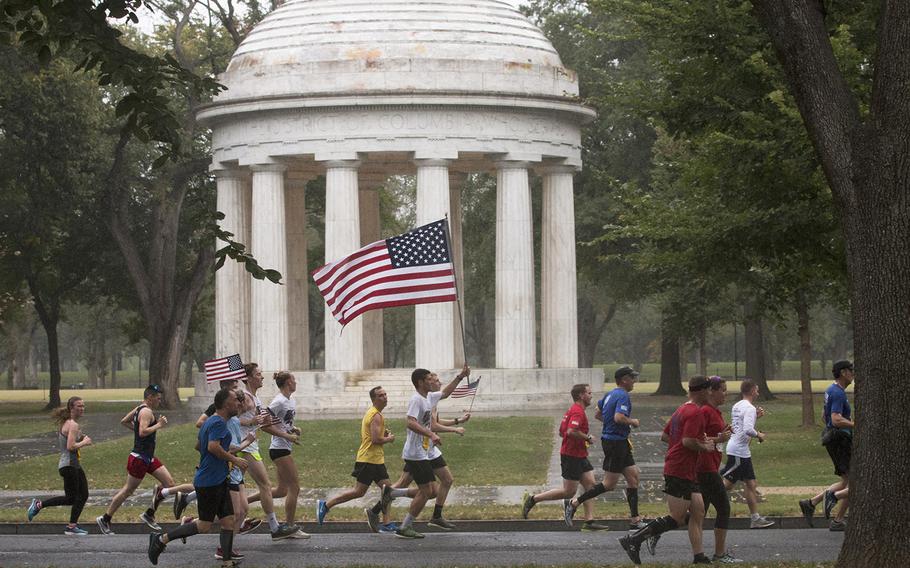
x=50 y=124
x=865 y=155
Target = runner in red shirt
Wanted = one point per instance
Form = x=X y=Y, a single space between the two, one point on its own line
x=574 y=457
x=685 y=434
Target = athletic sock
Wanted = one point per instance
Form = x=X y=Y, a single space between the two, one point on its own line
x=190 y=497
x=437 y=511
x=632 y=498
x=407 y=521
x=165 y=491
x=273 y=521
x=107 y=518
x=183 y=531
x=594 y=491
x=755 y=516
x=403 y=492
x=227 y=543
x=377 y=508
x=656 y=527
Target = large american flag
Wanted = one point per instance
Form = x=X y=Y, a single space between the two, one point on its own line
x=413 y=268
x=224 y=369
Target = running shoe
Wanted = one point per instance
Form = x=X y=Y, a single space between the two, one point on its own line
x=407 y=532
x=726 y=558
x=441 y=523
x=180 y=503
x=157 y=498
x=372 y=519
x=591 y=526
x=651 y=543
x=230 y=563
x=631 y=548
x=299 y=534
x=150 y=521
x=156 y=547
x=105 y=526
x=75 y=531
x=33 y=509
x=249 y=525
x=701 y=559
x=386 y=498
x=527 y=503
x=284 y=531
x=808 y=510
x=234 y=554
x=321 y=511
x=388 y=528
x=760 y=523
x=638 y=525
x=838 y=526
x=830 y=502
x=568 y=511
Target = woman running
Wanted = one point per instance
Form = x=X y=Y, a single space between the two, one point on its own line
x=75 y=485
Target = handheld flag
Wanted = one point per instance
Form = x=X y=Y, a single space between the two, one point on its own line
x=224 y=369
x=469 y=389
x=412 y=268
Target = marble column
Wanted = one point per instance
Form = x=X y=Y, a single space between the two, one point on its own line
x=434 y=333
x=558 y=294
x=232 y=282
x=297 y=280
x=343 y=348
x=515 y=322
x=456 y=182
x=373 y=352
x=269 y=301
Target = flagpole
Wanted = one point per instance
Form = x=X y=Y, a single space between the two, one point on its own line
x=458 y=308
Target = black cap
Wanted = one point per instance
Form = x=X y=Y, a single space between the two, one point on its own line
x=623 y=371
x=698 y=383
x=152 y=389
x=840 y=366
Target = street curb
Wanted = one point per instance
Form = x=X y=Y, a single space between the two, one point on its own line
x=344 y=527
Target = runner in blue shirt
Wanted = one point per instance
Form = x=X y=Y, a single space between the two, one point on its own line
x=615 y=411
x=838 y=440
x=211 y=481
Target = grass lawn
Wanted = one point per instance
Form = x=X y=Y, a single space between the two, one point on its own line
x=88 y=395
x=487 y=455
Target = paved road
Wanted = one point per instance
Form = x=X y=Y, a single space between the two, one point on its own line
x=452 y=549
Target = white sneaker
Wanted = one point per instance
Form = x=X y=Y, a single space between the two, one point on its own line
x=760 y=523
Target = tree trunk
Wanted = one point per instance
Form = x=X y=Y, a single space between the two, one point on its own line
x=867 y=164
x=756 y=367
x=114 y=362
x=701 y=352
x=805 y=360
x=670 y=379
x=49 y=315
x=591 y=329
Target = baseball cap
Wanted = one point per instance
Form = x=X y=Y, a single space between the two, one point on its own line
x=623 y=371
x=840 y=366
x=698 y=383
x=152 y=389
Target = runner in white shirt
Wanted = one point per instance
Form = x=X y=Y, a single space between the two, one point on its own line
x=739 y=456
x=420 y=441
x=282 y=410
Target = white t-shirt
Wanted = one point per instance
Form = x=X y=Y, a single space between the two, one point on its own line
x=283 y=409
x=416 y=446
x=743 y=423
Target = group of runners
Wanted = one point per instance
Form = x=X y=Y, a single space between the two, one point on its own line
x=229 y=452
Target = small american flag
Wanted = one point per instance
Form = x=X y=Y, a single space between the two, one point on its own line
x=412 y=268
x=469 y=389
x=226 y=368
x=272 y=419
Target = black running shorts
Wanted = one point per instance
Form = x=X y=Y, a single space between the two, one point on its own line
x=215 y=501
x=278 y=454
x=679 y=487
x=841 y=449
x=617 y=455
x=573 y=468
x=369 y=473
x=421 y=471
x=713 y=491
x=738 y=469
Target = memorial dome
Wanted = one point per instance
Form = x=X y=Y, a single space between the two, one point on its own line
x=326 y=47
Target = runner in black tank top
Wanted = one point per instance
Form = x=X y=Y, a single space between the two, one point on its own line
x=142 y=421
